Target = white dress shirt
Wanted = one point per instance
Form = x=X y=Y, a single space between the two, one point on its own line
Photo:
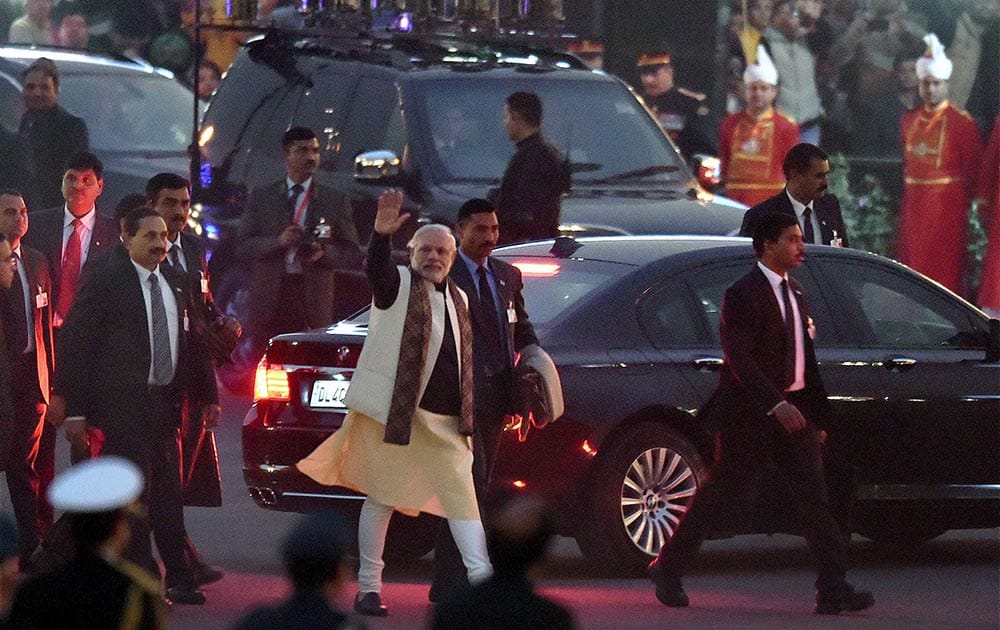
x=800 y=352
x=170 y=304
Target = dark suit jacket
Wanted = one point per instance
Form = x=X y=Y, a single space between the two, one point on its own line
x=265 y=218
x=37 y=270
x=753 y=340
x=196 y=264
x=827 y=209
x=13 y=171
x=519 y=333
x=105 y=355
x=45 y=233
x=54 y=136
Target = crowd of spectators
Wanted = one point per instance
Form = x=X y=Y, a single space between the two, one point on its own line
x=863 y=53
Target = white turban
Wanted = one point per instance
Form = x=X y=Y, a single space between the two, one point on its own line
x=934 y=63
x=763 y=70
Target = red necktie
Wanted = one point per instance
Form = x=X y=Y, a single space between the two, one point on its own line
x=70 y=270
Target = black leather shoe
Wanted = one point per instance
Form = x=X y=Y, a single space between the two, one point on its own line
x=184 y=594
x=370 y=604
x=206 y=574
x=668 y=587
x=843 y=601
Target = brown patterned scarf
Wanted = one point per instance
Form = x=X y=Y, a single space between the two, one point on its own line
x=413 y=355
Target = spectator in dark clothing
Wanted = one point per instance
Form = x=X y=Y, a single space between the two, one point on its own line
x=527 y=201
x=49 y=133
x=517 y=541
x=315 y=560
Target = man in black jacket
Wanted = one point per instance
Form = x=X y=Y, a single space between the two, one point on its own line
x=772 y=404
x=51 y=135
x=805 y=197
x=527 y=201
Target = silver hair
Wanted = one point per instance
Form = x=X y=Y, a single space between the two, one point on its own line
x=426 y=229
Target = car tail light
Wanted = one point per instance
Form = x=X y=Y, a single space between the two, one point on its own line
x=537 y=269
x=271 y=382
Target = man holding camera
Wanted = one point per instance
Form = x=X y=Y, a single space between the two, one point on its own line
x=295 y=234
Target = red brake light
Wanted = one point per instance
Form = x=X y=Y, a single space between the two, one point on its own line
x=538 y=269
x=271 y=382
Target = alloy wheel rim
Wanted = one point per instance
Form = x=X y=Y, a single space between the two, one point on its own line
x=654 y=497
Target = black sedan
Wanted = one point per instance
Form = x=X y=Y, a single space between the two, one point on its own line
x=912 y=372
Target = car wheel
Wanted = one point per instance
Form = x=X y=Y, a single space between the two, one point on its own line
x=643 y=484
x=410 y=538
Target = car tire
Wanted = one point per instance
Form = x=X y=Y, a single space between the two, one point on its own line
x=642 y=485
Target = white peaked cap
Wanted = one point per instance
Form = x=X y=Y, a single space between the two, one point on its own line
x=763 y=70
x=97 y=485
x=934 y=63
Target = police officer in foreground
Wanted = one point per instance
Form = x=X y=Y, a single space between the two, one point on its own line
x=98 y=588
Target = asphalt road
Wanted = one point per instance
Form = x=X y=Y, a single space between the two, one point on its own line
x=746 y=582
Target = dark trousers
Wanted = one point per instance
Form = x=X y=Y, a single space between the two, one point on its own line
x=157 y=453
x=449 y=571
x=21 y=448
x=752 y=449
x=45 y=468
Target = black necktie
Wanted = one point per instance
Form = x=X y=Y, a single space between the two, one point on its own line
x=17 y=332
x=163 y=367
x=808 y=235
x=293 y=196
x=173 y=255
x=491 y=331
x=789 y=335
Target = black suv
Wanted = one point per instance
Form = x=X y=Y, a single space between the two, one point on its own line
x=427 y=117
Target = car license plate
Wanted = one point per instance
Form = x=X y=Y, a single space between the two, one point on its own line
x=329 y=394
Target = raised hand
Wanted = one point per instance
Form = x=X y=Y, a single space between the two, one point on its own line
x=390 y=217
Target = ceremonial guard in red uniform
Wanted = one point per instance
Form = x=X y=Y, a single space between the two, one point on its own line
x=941 y=153
x=988 y=192
x=753 y=142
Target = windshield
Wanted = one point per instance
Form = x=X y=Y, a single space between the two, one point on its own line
x=606 y=132
x=138 y=113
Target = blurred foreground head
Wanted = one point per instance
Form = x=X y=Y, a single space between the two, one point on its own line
x=520 y=534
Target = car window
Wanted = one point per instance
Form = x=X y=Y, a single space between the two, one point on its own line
x=898 y=312
x=552 y=286
x=600 y=126
x=133 y=112
x=11 y=103
x=670 y=317
x=375 y=122
x=709 y=286
x=322 y=108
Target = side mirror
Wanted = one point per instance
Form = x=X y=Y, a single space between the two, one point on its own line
x=376 y=166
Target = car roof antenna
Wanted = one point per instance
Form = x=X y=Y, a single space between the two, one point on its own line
x=564 y=247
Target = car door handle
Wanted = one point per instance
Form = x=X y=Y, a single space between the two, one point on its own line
x=707 y=364
x=900 y=364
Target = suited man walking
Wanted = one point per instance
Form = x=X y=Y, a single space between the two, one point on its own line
x=295 y=234
x=805 y=196
x=129 y=362
x=771 y=403
x=28 y=335
x=500 y=327
x=68 y=236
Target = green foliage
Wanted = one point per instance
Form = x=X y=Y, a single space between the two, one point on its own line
x=870 y=214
